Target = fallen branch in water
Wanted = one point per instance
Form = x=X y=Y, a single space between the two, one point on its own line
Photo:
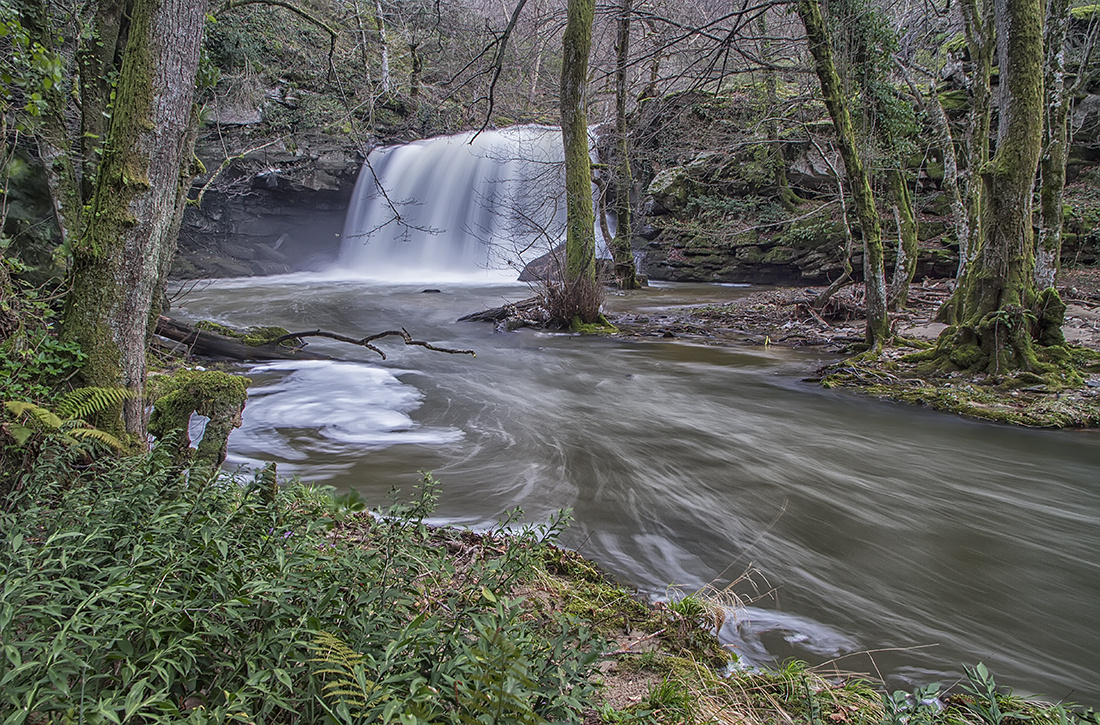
x=223 y=347
x=366 y=341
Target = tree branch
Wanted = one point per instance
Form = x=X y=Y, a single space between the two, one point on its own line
x=366 y=341
x=332 y=34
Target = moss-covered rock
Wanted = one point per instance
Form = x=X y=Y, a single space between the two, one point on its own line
x=213 y=394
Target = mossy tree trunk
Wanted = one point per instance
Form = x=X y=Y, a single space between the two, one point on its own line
x=1001 y=315
x=981 y=43
x=906 y=265
x=878 y=321
x=625 y=271
x=580 y=244
x=1052 y=166
x=122 y=257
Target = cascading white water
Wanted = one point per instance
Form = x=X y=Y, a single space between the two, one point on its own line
x=456 y=205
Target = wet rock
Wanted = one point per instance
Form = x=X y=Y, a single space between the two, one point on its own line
x=274 y=209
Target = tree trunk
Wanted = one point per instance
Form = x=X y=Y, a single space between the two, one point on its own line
x=580 y=244
x=978 y=21
x=1052 y=166
x=625 y=271
x=906 y=265
x=414 y=74
x=878 y=321
x=54 y=136
x=97 y=60
x=384 y=83
x=999 y=301
x=121 y=258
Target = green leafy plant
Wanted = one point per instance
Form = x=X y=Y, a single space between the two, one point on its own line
x=33 y=364
x=66 y=421
x=986 y=700
x=132 y=592
x=916 y=708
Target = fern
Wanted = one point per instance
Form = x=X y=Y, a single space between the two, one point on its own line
x=66 y=420
x=82 y=402
x=347 y=691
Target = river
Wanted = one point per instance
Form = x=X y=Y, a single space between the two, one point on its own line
x=926 y=538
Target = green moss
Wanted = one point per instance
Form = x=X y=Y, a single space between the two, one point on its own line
x=253 y=336
x=814 y=232
x=1056 y=399
x=954 y=101
x=600 y=327
x=216 y=395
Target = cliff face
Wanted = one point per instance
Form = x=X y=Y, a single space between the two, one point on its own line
x=722 y=201
x=272 y=210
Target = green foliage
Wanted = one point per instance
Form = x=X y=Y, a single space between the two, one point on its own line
x=713 y=208
x=986 y=701
x=135 y=594
x=66 y=421
x=33 y=365
x=28 y=70
x=918 y=708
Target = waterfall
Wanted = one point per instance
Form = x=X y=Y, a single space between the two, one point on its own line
x=457 y=205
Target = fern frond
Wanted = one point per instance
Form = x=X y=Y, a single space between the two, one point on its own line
x=83 y=402
x=348 y=685
x=20 y=433
x=36 y=412
x=96 y=435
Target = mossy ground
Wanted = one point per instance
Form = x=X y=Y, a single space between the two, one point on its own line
x=1023 y=399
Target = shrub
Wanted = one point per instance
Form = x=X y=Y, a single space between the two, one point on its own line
x=142 y=592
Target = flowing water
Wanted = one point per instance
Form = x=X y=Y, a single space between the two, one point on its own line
x=928 y=538
x=454 y=203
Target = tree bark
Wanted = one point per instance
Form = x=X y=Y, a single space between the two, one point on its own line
x=1052 y=166
x=998 y=311
x=384 y=82
x=906 y=265
x=625 y=271
x=980 y=36
x=123 y=254
x=580 y=244
x=878 y=321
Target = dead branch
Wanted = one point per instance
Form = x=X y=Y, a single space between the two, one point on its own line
x=366 y=341
x=211 y=344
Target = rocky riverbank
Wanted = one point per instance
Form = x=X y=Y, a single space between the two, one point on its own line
x=786 y=317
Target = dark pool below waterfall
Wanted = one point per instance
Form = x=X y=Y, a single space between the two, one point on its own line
x=931 y=539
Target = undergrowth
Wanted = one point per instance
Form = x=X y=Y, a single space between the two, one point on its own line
x=132 y=593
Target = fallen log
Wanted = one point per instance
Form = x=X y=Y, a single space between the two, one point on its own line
x=212 y=345
x=220 y=347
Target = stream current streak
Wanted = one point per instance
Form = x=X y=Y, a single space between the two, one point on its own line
x=878 y=526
